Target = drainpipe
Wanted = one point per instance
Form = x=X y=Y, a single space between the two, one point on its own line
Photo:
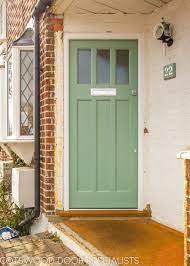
x=38 y=11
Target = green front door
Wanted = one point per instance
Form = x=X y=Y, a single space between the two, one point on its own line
x=103 y=124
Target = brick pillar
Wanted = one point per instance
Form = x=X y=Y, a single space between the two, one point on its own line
x=48 y=25
x=187 y=213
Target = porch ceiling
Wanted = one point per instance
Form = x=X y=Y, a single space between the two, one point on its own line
x=109 y=6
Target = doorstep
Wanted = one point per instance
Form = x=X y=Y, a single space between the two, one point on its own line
x=96 y=241
x=105 y=213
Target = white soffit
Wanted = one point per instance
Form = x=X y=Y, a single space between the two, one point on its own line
x=109 y=6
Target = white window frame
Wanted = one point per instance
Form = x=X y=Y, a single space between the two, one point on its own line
x=16 y=94
x=3 y=35
x=2 y=99
x=7 y=97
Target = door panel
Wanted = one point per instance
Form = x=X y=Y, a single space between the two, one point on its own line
x=105 y=146
x=84 y=146
x=103 y=129
x=122 y=145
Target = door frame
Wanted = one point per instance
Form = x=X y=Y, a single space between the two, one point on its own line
x=141 y=73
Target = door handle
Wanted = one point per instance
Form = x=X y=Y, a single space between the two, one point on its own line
x=134 y=92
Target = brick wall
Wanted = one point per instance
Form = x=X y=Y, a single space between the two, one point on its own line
x=187 y=213
x=19 y=13
x=48 y=25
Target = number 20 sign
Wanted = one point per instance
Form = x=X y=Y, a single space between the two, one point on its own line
x=170 y=71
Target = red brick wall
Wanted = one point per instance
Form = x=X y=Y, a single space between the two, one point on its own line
x=48 y=25
x=187 y=213
x=19 y=13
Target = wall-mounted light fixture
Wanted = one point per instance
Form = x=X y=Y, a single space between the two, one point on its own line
x=163 y=32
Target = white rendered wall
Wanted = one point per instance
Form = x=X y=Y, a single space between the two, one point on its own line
x=167 y=114
x=98 y=23
x=40 y=225
x=59 y=118
x=166 y=103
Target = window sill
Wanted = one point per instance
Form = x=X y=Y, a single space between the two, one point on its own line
x=19 y=140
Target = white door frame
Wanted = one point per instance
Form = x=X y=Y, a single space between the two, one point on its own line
x=105 y=36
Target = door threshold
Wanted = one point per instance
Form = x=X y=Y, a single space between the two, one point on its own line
x=105 y=213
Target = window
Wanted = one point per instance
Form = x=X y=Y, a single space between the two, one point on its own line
x=26 y=93
x=9 y=98
x=84 y=66
x=16 y=122
x=122 y=66
x=20 y=91
x=103 y=66
x=3 y=101
x=2 y=19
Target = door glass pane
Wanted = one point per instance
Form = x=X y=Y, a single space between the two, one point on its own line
x=26 y=93
x=84 y=66
x=103 y=66
x=122 y=66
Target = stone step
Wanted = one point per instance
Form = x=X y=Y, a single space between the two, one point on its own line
x=105 y=213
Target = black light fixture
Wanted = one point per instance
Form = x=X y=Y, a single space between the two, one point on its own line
x=163 y=32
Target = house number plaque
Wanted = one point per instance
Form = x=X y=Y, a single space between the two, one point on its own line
x=170 y=71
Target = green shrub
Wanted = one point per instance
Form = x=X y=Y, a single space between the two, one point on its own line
x=10 y=214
